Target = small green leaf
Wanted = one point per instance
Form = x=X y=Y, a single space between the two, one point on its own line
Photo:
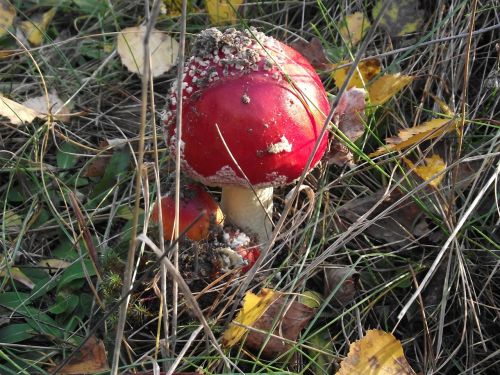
x=66 y=156
x=75 y=272
x=64 y=304
x=117 y=167
x=14 y=333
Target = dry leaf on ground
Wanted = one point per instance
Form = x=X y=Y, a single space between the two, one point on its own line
x=411 y=136
x=164 y=50
x=313 y=51
x=349 y=117
x=365 y=72
x=378 y=353
x=17 y=114
x=401 y=17
x=51 y=103
x=287 y=319
x=7 y=15
x=90 y=359
x=354 y=27
x=223 y=11
x=254 y=305
x=53 y=265
x=429 y=169
x=16 y=274
x=36 y=27
x=385 y=87
x=344 y=281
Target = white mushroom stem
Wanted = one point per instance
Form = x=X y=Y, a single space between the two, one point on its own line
x=249 y=210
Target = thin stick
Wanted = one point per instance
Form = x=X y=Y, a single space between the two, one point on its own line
x=178 y=129
x=129 y=270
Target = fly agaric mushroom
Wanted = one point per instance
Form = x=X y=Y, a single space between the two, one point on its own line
x=252 y=112
x=193 y=201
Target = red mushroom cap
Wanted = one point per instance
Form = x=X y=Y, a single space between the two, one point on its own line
x=264 y=97
x=194 y=200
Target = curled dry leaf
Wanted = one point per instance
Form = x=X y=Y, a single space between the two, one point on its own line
x=7 y=15
x=349 y=117
x=429 y=169
x=17 y=114
x=344 y=281
x=378 y=353
x=313 y=51
x=130 y=46
x=223 y=11
x=90 y=359
x=37 y=26
x=49 y=104
x=411 y=136
x=354 y=27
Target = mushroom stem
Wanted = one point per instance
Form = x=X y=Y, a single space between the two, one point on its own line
x=249 y=210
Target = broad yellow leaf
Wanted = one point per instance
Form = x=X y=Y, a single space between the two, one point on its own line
x=411 y=136
x=130 y=46
x=366 y=71
x=51 y=103
x=386 y=87
x=430 y=168
x=223 y=11
x=7 y=15
x=354 y=27
x=37 y=26
x=17 y=113
x=401 y=17
x=53 y=264
x=254 y=305
x=173 y=8
x=378 y=353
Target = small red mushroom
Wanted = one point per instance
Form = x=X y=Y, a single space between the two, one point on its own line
x=253 y=109
x=194 y=200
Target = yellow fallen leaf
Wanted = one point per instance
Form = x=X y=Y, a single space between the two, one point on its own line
x=17 y=275
x=366 y=71
x=53 y=264
x=7 y=15
x=17 y=113
x=430 y=168
x=401 y=17
x=354 y=27
x=51 y=103
x=411 y=136
x=223 y=11
x=164 y=50
x=378 y=353
x=37 y=26
x=254 y=305
x=386 y=87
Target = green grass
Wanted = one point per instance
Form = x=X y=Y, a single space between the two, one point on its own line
x=376 y=217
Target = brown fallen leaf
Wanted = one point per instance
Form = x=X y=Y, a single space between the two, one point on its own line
x=396 y=228
x=287 y=319
x=90 y=359
x=344 y=280
x=49 y=104
x=378 y=353
x=349 y=116
x=313 y=51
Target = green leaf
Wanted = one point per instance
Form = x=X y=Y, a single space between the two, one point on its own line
x=75 y=272
x=66 y=157
x=64 y=304
x=92 y=6
x=117 y=167
x=14 y=333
